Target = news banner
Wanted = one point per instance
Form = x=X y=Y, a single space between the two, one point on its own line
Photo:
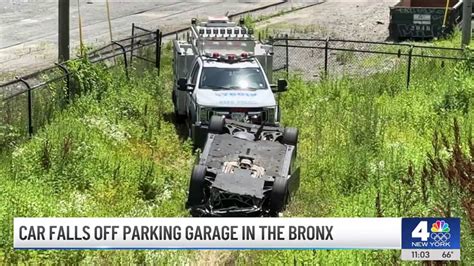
x=418 y=238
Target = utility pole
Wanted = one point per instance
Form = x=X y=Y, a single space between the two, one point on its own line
x=108 y=19
x=63 y=30
x=466 y=21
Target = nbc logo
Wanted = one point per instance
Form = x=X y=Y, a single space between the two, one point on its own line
x=440 y=227
x=440 y=233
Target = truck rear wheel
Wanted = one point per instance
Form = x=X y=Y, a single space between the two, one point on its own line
x=216 y=124
x=279 y=196
x=178 y=118
x=196 y=186
x=290 y=136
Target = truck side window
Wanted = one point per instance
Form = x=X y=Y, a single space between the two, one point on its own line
x=194 y=74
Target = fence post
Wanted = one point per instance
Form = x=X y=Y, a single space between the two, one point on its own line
x=132 y=44
x=161 y=47
x=30 y=107
x=68 y=81
x=158 y=50
x=410 y=53
x=287 y=63
x=326 y=55
x=124 y=57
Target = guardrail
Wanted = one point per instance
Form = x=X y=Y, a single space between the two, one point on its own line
x=24 y=104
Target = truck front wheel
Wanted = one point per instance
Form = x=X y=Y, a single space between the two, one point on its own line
x=216 y=124
x=189 y=126
x=290 y=136
x=178 y=118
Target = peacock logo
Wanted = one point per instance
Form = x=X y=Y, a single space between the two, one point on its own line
x=440 y=231
x=440 y=227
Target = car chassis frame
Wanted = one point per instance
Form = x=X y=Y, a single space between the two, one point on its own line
x=244 y=170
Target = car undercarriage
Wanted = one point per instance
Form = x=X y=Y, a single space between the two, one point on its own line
x=244 y=170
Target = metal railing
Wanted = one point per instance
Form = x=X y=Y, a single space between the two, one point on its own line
x=324 y=58
x=27 y=102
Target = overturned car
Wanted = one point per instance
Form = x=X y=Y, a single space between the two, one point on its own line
x=244 y=170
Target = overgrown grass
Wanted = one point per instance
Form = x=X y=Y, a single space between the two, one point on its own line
x=371 y=148
x=368 y=148
x=113 y=153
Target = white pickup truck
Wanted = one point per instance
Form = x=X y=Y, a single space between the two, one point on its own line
x=220 y=69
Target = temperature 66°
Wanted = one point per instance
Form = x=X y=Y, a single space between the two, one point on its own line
x=447 y=254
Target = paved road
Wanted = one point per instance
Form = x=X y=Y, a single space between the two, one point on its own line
x=28 y=28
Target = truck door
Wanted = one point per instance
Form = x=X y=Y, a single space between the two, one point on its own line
x=190 y=100
x=182 y=96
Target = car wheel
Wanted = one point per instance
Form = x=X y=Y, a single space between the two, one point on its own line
x=217 y=124
x=290 y=136
x=179 y=118
x=189 y=127
x=279 y=195
x=196 y=186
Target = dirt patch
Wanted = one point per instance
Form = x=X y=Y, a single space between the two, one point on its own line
x=366 y=20
x=355 y=19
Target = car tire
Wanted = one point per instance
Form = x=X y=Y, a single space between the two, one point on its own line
x=279 y=195
x=216 y=124
x=189 y=128
x=290 y=136
x=180 y=119
x=196 y=186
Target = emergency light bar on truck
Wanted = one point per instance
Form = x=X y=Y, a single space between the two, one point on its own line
x=220 y=27
x=230 y=58
x=218 y=33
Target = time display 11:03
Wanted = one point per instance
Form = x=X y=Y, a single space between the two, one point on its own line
x=420 y=254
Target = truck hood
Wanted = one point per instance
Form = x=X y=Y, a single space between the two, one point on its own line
x=235 y=98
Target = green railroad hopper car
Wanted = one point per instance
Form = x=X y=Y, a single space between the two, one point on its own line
x=424 y=19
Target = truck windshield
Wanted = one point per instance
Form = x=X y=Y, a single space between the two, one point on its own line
x=232 y=78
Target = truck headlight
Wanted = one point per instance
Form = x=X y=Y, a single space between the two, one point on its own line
x=271 y=114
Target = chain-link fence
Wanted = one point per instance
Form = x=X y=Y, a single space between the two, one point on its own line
x=316 y=59
x=28 y=102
